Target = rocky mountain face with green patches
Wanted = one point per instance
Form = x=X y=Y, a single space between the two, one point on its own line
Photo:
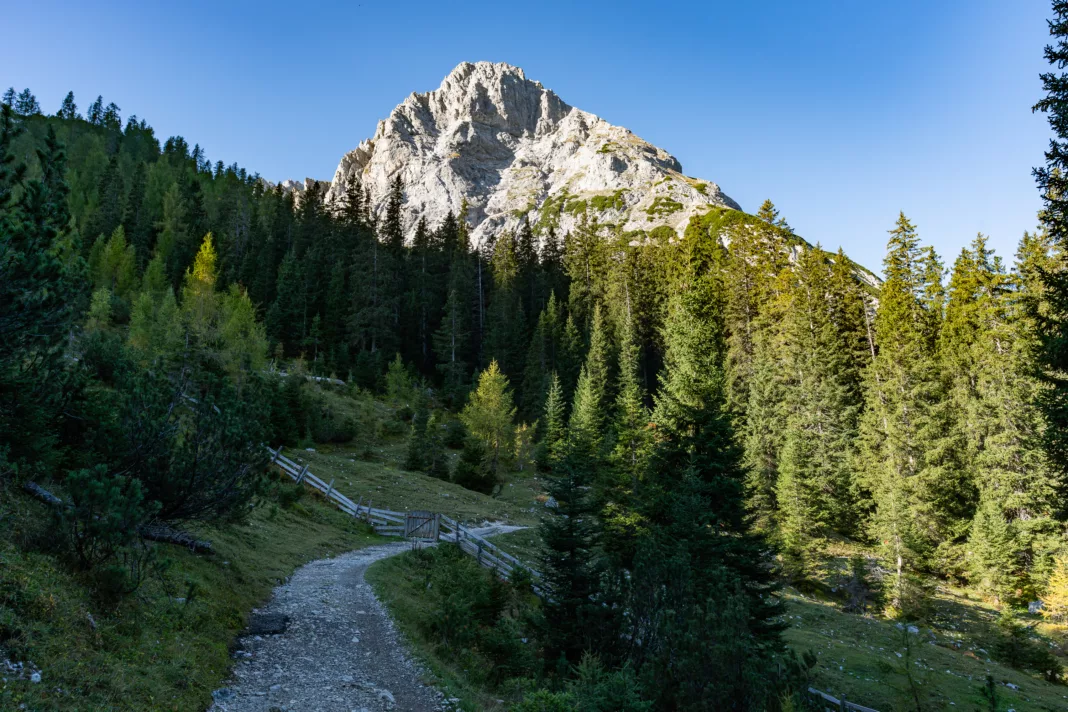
x=514 y=149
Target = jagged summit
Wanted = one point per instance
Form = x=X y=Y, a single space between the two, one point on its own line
x=513 y=148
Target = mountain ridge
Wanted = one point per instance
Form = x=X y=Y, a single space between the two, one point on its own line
x=516 y=150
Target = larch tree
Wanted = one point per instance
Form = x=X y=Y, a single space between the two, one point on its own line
x=489 y=415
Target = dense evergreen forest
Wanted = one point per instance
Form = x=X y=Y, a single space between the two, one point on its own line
x=712 y=411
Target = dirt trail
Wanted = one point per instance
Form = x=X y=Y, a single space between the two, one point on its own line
x=339 y=651
x=324 y=643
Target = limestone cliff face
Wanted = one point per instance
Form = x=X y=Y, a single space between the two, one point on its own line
x=514 y=149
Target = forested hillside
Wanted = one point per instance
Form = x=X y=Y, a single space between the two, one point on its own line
x=712 y=412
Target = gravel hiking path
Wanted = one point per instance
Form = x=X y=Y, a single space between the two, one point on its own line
x=324 y=643
x=339 y=651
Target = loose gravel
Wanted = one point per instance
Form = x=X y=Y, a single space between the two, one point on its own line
x=339 y=651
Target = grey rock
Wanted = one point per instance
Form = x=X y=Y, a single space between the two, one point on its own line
x=513 y=148
x=267 y=623
x=222 y=694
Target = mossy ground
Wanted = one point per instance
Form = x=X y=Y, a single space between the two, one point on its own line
x=167 y=646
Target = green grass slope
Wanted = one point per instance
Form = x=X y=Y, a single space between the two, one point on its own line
x=165 y=647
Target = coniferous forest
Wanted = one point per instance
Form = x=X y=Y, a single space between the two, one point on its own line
x=712 y=413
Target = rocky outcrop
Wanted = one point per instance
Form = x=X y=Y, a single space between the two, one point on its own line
x=514 y=149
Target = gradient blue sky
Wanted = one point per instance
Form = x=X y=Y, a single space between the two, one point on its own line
x=842 y=112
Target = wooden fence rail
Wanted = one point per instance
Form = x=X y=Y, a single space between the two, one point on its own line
x=389 y=523
x=828 y=703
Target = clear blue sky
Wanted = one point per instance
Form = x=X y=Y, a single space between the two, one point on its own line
x=842 y=112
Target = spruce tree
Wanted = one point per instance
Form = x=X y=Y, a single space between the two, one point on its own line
x=910 y=447
x=762 y=424
x=633 y=439
x=68 y=110
x=570 y=566
x=505 y=320
x=1052 y=179
x=40 y=296
x=815 y=484
x=95 y=115
x=450 y=345
x=693 y=495
x=541 y=359
x=756 y=255
x=26 y=104
x=554 y=425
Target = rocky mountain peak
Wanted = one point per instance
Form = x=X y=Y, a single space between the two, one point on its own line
x=515 y=150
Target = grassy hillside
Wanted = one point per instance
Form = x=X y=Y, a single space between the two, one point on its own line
x=166 y=647
x=858 y=655
x=864 y=658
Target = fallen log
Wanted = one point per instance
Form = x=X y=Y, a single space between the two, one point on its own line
x=42 y=494
x=166 y=535
x=152 y=532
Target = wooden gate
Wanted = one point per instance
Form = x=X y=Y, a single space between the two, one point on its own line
x=422 y=525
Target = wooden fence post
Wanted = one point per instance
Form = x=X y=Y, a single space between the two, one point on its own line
x=277 y=454
x=329 y=489
x=303 y=471
x=358 y=503
x=369 y=502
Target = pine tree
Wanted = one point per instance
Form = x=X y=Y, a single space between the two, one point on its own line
x=26 y=104
x=569 y=564
x=589 y=412
x=585 y=260
x=554 y=425
x=505 y=320
x=815 y=484
x=569 y=362
x=693 y=495
x=136 y=216
x=9 y=97
x=418 y=439
x=1052 y=179
x=451 y=343
x=95 y=115
x=287 y=318
x=111 y=199
x=68 y=110
x=633 y=439
x=113 y=264
x=757 y=254
x=111 y=118
x=541 y=359
x=910 y=445
x=40 y=297
x=393 y=227
x=763 y=424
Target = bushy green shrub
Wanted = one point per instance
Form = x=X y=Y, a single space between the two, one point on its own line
x=100 y=526
x=472 y=469
x=479 y=618
x=455 y=434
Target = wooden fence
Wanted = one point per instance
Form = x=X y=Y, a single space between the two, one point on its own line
x=431 y=526
x=827 y=703
x=411 y=525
